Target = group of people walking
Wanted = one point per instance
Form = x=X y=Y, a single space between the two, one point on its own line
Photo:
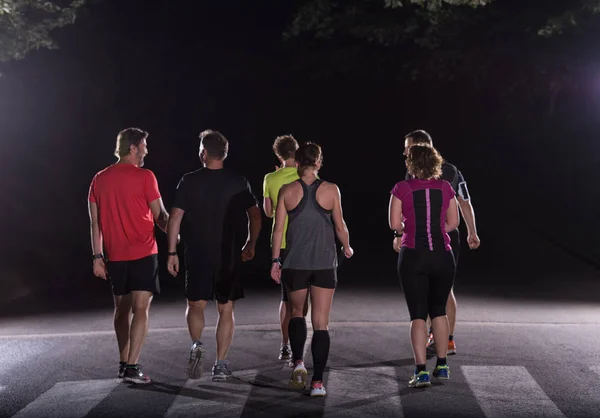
x=125 y=204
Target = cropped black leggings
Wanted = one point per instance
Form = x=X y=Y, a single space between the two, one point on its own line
x=427 y=278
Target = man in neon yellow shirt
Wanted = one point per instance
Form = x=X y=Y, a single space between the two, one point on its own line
x=285 y=149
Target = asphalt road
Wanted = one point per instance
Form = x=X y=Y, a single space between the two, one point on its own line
x=524 y=350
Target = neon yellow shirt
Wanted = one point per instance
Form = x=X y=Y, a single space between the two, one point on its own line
x=271 y=186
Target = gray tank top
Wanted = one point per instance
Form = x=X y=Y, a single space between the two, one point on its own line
x=310 y=235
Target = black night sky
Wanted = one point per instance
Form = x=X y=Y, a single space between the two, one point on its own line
x=177 y=68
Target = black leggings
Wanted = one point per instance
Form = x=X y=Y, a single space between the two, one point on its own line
x=427 y=278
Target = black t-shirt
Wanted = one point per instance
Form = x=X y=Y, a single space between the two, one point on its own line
x=215 y=204
x=453 y=176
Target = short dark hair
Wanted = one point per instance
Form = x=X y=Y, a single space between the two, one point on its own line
x=308 y=155
x=424 y=162
x=128 y=137
x=420 y=137
x=215 y=144
x=285 y=146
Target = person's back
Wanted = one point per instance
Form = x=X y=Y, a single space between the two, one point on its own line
x=214 y=202
x=424 y=206
x=310 y=233
x=272 y=184
x=123 y=193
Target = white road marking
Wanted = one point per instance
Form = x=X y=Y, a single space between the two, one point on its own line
x=69 y=399
x=202 y=397
x=509 y=391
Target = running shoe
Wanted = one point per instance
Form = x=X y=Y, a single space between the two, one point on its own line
x=317 y=388
x=285 y=353
x=419 y=380
x=430 y=344
x=442 y=372
x=122 y=367
x=196 y=360
x=133 y=374
x=298 y=379
x=221 y=372
x=451 y=347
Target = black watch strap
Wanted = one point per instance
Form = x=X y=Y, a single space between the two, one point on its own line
x=397 y=235
x=172 y=253
x=98 y=256
x=276 y=260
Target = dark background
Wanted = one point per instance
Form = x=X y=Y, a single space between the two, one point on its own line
x=177 y=68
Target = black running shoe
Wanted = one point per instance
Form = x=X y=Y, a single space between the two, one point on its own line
x=122 y=367
x=285 y=353
x=134 y=374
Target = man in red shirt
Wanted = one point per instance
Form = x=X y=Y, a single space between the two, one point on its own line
x=124 y=203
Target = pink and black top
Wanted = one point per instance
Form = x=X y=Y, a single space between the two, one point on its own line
x=424 y=207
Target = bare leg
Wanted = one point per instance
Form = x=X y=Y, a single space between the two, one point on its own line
x=451 y=311
x=418 y=338
x=225 y=326
x=194 y=315
x=140 y=303
x=122 y=323
x=440 y=335
x=285 y=314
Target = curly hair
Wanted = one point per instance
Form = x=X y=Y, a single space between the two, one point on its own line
x=285 y=147
x=424 y=162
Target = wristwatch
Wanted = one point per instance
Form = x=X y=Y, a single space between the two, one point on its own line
x=276 y=260
x=98 y=256
x=397 y=234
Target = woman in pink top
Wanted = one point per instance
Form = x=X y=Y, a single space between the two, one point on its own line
x=423 y=210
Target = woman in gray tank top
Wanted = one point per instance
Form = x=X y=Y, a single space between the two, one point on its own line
x=315 y=217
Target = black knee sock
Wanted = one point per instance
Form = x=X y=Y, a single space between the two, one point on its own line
x=297 y=331
x=320 y=352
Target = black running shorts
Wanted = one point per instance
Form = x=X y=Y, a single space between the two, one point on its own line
x=212 y=284
x=300 y=279
x=131 y=275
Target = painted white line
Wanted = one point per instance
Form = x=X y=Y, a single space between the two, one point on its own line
x=277 y=327
x=509 y=391
x=69 y=399
x=362 y=392
x=202 y=397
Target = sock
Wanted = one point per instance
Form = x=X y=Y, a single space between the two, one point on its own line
x=132 y=366
x=441 y=361
x=450 y=337
x=320 y=352
x=122 y=363
x=297 y=330
x=421 y=368
x=219 y=362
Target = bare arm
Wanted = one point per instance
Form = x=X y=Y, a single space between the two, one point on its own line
x=268 y=207
x=466 y=208
x=341 y=230
x=173 y=228
x=160 y=214
x=95 y=233
x=395 y=215
x=452 y=217
x=254 y=224
x=280 y=215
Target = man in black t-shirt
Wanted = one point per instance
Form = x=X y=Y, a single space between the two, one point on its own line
x=453 y=176
x=214 y=202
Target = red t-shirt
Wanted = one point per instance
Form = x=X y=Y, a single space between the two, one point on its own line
x=123 y=193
